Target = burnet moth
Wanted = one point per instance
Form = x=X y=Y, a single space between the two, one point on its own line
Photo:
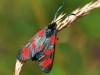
x=41 y=47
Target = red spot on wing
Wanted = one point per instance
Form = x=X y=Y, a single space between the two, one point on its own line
x=32 y=40
x=40 y=33
x=41 y=47
x=47 y=62
x=53 y=39
x=33 y=45
x=25 y=52
x=47 y=52
x=52 y=50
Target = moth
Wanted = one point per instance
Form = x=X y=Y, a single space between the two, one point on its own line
x=41 y=47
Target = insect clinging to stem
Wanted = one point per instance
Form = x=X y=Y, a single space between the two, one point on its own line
x=41 y=47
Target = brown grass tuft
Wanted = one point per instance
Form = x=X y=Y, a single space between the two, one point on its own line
x=79 y=12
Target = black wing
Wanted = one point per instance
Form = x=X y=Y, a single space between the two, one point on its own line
x=30 y=49
x=46 y=57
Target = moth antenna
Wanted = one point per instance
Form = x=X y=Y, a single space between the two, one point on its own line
x=70 y=15
x=58 y=11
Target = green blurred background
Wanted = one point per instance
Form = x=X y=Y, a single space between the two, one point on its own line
x=78 y=47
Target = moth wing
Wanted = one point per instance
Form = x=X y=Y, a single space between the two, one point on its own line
x=46 y=57
x=30 y=49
